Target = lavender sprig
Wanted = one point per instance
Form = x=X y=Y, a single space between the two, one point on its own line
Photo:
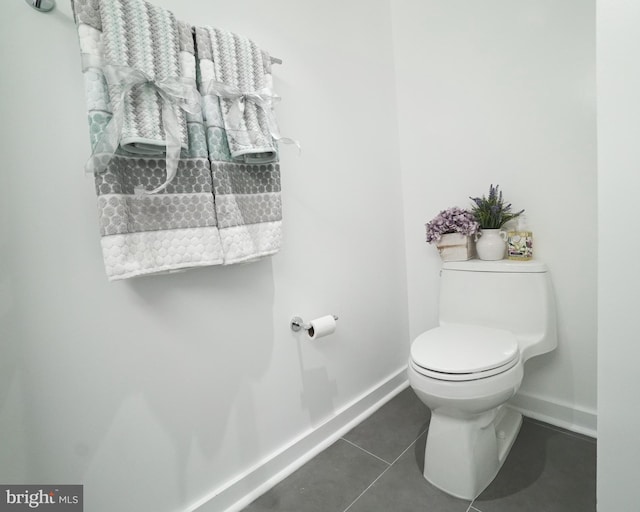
x=491 y=212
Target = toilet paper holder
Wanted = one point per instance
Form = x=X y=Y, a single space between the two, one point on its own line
x=298 y=323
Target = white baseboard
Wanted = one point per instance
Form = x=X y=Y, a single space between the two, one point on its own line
x=238 y=493
x=570 y=417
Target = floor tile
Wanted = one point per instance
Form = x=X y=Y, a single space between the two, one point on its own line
x=402 y=488
x=547 y=470
x=327 y=483
x=393 y=427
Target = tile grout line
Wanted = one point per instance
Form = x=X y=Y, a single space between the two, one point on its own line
x=474 y=500
x=386 y=469
x=367 y=451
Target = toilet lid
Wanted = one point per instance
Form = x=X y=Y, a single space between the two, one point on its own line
x=465 y=349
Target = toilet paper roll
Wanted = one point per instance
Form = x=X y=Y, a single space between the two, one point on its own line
x=321 y=327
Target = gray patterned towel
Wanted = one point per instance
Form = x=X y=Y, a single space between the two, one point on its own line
x=142 y=36
x=247 y=195
x=241 y=80
x=176 y=228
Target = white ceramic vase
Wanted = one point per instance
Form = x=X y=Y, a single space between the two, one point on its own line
x=491 y=244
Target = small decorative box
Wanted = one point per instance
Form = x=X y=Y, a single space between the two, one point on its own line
x=520 y=245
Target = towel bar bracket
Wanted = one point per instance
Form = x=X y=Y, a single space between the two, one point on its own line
x=42 y=5
x=297 y=324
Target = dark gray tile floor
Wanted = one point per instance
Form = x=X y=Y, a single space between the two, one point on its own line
x=377 y=467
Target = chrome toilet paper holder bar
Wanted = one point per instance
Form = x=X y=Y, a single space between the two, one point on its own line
x=298 y=323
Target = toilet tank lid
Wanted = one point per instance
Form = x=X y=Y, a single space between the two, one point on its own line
x=511 y=266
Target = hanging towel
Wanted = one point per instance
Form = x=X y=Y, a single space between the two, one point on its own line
x=242 y=81
x=177 y=227
x=148 y=90
x=142 y=36
x=247 y=195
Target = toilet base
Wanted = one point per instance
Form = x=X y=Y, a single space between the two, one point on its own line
x=464 y=454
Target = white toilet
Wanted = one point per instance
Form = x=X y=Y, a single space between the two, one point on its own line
x=493 y=316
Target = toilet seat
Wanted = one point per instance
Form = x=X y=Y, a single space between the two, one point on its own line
x=464 y=352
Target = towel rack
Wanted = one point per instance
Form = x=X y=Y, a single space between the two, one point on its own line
x=42 y=5
x=48 y=5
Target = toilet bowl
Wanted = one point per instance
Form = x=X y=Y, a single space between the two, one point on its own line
x=466 y=369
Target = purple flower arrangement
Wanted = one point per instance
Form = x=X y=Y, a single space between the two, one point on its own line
x=452 y=220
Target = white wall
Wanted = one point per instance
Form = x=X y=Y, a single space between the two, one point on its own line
x=156 y=392
x=619 y=246
x=503 y=92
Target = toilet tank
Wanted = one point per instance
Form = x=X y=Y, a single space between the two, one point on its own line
x=512 y=295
